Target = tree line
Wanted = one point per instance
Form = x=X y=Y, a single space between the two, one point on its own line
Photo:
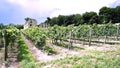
x=18 y=26
x=104 y=16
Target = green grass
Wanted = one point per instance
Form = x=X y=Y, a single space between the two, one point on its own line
x=69 y=46
x=49 y=50
x=96 y=59
x=24 y=54
x=77 y=48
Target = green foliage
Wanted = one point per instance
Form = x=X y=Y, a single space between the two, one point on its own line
x=106 y=14
x=90 y=17
x=10 y=33
x=1 y=26
x=81 y=32
x=57 y=33
x=19 y=26
x=37 y=35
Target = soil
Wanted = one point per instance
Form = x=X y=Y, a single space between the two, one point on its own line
x=101 y=47
x=1 y=57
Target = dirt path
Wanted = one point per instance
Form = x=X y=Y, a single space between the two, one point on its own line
x=43 y=57
x=99 y=47
x=103 y=47
x=38 y=54
x=1 y=55
x=63 y=52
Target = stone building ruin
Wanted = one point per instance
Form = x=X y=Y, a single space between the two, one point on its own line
x=29 y=22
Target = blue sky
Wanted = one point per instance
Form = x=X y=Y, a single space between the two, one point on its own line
x=14 y=11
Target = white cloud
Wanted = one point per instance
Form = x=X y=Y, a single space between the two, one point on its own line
x=80 y=6
x=62 y=7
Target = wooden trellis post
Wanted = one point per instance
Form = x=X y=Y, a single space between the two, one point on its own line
x=90 y=36
x=117 y=33
x=70 y=39
x=5 y=46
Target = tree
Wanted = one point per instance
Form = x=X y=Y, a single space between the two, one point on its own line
x=117 y=14
x=62 y=20
x=1 y=26
x=54 y=21
x=27 y=18
x=19 y=26
x=89 y=17
x=48 y=21
x=70 y=20
x=78 y=20
x=105 y=14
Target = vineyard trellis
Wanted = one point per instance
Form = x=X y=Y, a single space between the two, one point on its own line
x=9 y=36
x=86 y=34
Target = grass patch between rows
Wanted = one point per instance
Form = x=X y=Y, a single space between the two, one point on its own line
x=24 y=55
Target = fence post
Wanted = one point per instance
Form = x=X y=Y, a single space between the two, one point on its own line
x=70 y=40
x=90 y=36
x=117 y=33
x=105 y=39
x=5 y=46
